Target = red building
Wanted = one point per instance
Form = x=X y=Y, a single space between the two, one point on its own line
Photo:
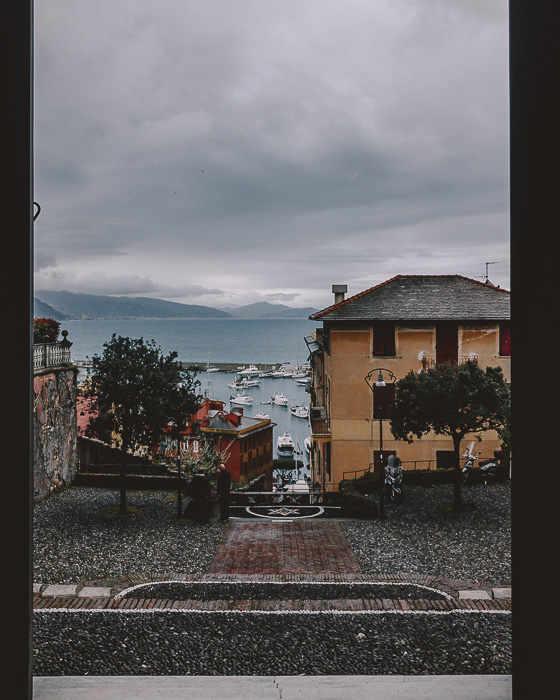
x=248 y=441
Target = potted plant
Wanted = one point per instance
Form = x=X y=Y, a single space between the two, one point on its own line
x=45 y=330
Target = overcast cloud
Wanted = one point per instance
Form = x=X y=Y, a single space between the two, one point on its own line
x=231 y=151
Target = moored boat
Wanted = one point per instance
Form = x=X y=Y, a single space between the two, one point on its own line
x=241 y=400
x=251 y=371
x=285 y=445
x=280 y=399
x=261 y=416
x=300 y=411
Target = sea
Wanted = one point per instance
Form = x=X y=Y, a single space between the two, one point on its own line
x=202 y=342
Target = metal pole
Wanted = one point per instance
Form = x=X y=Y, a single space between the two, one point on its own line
x=179 y=494
x=382 y=496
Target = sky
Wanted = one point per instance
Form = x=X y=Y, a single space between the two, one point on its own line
x=225 y=152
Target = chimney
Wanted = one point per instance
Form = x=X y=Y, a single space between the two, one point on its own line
x=339 y=290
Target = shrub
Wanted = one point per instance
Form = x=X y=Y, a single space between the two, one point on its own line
x=45 y=330
x=354 y=504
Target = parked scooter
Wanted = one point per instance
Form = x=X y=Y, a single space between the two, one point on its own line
x=487 y=470
x=394 y=478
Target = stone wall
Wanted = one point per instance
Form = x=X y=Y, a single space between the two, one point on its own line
x=55 y=430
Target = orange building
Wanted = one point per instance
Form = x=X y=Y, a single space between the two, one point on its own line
x=408 y=322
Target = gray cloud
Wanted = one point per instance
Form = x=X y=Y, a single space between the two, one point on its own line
x=264 y=148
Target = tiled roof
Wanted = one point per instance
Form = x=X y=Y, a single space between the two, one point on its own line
x=423 y=297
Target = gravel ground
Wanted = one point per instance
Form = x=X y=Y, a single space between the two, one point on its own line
x=78 y=540
x=422 y=535
x=228 y=644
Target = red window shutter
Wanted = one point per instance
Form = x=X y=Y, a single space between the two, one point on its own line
x=505 y=339
x=384 y=339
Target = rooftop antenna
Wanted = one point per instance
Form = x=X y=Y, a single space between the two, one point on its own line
x=486 y=275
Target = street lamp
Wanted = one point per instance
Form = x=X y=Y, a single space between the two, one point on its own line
x=380 y=382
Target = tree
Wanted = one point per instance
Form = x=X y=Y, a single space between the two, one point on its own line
x=137 y=392
x=450 y=400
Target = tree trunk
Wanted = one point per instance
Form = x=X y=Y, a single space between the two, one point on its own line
x=457 y=500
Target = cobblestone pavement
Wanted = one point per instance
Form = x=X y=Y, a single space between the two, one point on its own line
x=285 y=548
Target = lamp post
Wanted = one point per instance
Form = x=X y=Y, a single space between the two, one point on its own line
x=380 y=382
x=179 y=491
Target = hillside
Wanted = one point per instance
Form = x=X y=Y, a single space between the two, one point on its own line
x=92 y=306
x=263 y=309
x=42 y=310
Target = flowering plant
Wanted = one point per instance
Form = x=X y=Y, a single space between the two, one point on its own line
x=45 y=330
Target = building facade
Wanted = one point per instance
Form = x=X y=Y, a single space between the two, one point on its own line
x=409 y=322
x=245 y=442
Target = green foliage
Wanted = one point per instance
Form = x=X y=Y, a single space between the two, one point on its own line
x=451 y=400
x=353 y=503
x=138 y=392
x=45 y=330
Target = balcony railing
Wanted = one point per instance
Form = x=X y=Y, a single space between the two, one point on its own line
x=428 y=361
x=319 y=420
x=46 y=355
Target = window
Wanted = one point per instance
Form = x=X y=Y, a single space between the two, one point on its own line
x=505 y=338
x=384 y=338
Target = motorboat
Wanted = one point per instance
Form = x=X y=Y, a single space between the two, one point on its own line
x=280 y=399
x=285 y=445
x=251 y=371
x=261 y=416
x=304 y=380
x=307 y=443
x=244 y=383
x=241 y=400
x=300 y=411
x=280 y=373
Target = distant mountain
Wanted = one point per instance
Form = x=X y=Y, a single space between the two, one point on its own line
x=41 y=310
x=262 y=309
x=92 y=306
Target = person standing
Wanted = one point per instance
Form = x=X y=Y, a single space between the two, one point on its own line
x=223 y=488
x=200 y=490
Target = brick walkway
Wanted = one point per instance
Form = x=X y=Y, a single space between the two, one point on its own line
x=285 y=548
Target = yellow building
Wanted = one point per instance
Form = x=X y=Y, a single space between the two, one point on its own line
x=408 y=322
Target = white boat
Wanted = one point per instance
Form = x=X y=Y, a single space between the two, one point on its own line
x=304 y=381
x=300 y=411
x=285 y=445
x=241 y=400
x=261 y=415
x=307 y=443
x=244 y=383
x=280 y=399
x=250 y=371
x=280 y=373
x=301 y=486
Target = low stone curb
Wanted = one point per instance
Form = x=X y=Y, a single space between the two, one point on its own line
x=350 y=605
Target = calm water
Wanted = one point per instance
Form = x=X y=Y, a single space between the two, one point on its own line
x=236 y=341
x=198 y=340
